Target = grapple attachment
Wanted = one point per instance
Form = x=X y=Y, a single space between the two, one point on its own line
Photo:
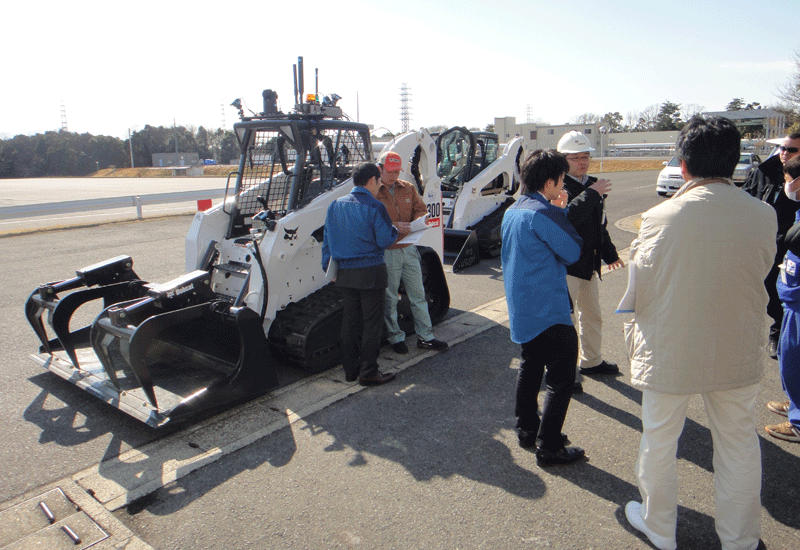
x=165 y=352
x=113 y=280
x=179 y=350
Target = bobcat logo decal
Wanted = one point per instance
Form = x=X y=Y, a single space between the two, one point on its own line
x=290 y=234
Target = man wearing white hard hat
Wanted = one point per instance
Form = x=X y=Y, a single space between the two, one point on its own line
x=587 y=214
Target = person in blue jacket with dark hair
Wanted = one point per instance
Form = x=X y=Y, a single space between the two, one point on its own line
x=538 y=245
x=357 y=231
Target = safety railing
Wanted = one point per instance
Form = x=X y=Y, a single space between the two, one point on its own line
x=88 y=205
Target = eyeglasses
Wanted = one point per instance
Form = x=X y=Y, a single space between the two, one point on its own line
x=584 y=157
x=789 y=149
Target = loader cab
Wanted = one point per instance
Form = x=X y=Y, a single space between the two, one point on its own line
x=455 y=153
x=287 y=162
x=487 y=147
x=462 y=155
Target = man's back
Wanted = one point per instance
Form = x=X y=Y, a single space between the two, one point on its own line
x=700 y=262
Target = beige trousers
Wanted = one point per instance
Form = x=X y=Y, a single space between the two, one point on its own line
x=587 y=319
x=736 y=461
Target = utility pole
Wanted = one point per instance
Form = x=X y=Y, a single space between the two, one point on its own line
x=63 y=117
x=405 y=107
x=130 y=142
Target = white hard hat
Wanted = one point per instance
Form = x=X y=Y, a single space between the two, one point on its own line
x=574 y=142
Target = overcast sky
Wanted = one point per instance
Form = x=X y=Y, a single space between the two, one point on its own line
x=121 y=65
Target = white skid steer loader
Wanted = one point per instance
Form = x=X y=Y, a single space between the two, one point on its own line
x=254 y=291
x=479 y=182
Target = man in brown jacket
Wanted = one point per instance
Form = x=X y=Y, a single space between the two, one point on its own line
x=402 y=260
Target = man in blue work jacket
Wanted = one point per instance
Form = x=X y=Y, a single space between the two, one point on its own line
x=357 y=231
x=538 y=245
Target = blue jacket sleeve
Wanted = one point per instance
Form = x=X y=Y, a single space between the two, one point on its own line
x=326 y=249
x=556 y=231
x=385 y=232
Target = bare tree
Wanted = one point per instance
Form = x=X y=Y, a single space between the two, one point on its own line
x=585 y=118
x=691 y=109
x=647 y=120
x=630 y=121
x=789 y=94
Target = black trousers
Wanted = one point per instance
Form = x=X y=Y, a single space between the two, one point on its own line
x=553 y=355
x=362 y=329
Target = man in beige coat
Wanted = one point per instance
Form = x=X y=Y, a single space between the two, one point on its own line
x=699 y=264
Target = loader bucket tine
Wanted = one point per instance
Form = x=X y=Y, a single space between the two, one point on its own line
x=68 y=305
x=100 y=340
x=101 y=337
x=146 y=333
x=33 y=311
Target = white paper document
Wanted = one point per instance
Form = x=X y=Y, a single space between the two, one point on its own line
x=628 y=302
x=420 y=223
x=418 y=228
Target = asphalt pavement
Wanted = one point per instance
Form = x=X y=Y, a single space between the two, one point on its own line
x=427 y=461
x=431 y=461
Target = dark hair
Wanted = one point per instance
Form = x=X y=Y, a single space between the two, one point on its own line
x=364 y=172
x=794 y=135
x=541 y=166
x=792 y=167
x=710 y=147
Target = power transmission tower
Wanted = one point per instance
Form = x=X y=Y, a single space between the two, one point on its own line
x=405 y=107
x=529 y=114
x=222 y=107
x=64 y=118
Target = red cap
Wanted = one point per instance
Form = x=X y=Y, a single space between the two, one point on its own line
x=390 y=161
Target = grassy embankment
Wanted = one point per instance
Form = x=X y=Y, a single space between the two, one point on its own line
x=216 y=171
x=222 y=170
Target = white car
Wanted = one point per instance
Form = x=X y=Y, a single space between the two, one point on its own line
x=670 y=178
x=747 y=163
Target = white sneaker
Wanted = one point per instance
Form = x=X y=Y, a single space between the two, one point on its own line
x=633 y=513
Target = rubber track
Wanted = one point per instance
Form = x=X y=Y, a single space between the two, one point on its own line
x=294 y=329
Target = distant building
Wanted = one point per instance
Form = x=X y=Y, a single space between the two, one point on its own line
x=756 y=126
x=620 y=144
x=170 y=160
x=757 y=123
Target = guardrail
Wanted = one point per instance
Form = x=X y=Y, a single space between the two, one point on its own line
x=135 y=201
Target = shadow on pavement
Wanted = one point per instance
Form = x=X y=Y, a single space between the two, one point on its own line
x=434 y=425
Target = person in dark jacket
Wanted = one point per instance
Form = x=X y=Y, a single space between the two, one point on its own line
x=357 y=231
x=788 y=287
x=586 y=212
x=766 y=183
